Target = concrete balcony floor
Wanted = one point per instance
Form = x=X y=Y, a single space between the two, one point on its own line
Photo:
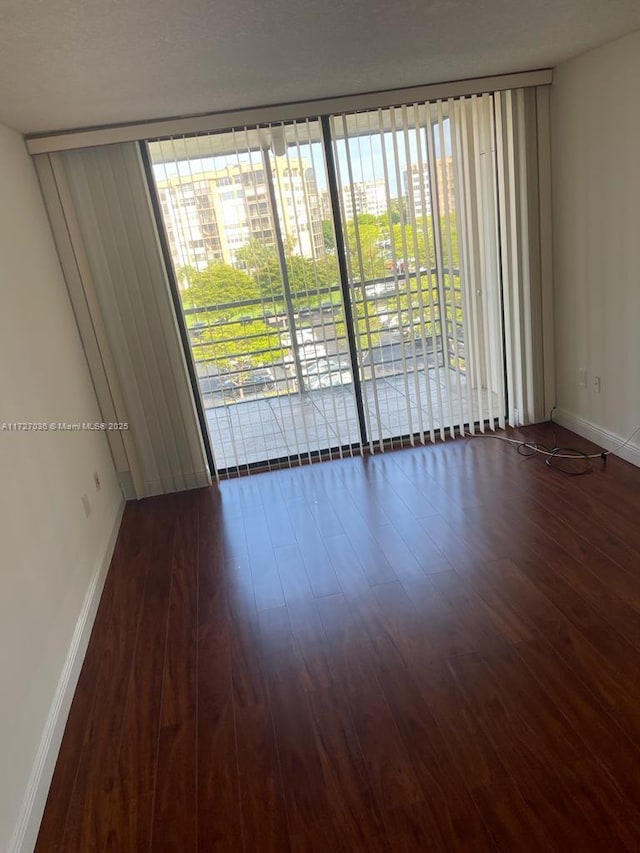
x=271 y=427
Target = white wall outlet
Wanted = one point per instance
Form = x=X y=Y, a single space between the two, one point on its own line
x=86 y=506
x=596 y=384
x=96 y=481
x=582 y=377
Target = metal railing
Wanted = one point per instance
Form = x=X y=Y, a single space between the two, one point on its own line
x=244 y=349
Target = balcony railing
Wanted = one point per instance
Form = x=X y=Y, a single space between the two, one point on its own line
x=405 y=322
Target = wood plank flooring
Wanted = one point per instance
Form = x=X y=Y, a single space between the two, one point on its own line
x=434 y=649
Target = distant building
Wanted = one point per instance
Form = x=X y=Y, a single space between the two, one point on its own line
x=210 y=215
x=365 y=197
x=418 y=185
x=325 y=205
x=446 y=184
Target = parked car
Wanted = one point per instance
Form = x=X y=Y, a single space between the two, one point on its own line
x=339 y=364
x=311 y=352
x=329 y=380
x=216 y=384
x=258 y=380
x=214 y=389
x=303 y=336
x=197 y=329
x=325 y=365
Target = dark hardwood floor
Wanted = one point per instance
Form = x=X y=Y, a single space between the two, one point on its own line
x=434 y=649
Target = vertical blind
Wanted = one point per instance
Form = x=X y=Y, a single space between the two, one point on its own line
x=429 y=340
x=125 y=293
x=521 y=249
x=435 y=331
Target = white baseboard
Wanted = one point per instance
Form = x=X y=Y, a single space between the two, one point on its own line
x=26 y=830
x=605 y=438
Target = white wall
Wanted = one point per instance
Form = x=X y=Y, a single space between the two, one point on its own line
x=49 y=551
x=595 y=127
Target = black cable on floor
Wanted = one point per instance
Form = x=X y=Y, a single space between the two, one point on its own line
x=556 y=456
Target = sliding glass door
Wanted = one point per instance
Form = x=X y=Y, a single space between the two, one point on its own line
x=420 y=326
x=254 y=253
x=339 y=278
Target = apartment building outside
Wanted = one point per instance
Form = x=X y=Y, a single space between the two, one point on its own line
x=360 y=197
x=212 y=214
x=365 y=197
x=419 y=182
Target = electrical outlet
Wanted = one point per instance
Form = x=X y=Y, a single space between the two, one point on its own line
x=582 y=377
x=86 y=506
x=96 y=481
x=597 y=384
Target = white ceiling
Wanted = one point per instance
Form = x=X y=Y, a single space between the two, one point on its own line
x=78 y=63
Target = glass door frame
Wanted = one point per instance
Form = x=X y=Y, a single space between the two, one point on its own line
x=327 y=141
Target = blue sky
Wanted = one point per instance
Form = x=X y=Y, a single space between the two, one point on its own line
x=367 y=155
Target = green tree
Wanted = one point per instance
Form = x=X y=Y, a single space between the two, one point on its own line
x=262 y=263
x=328 y=236
x=304 y=274
x=240 y=344
x=217 y=285
x=235 y=337
x=364 y=237
x=398 y=210
x=255 y=254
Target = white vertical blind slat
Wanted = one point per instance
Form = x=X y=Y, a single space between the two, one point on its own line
x=520 y=173
x=299 y=424
x=247 y=147
x=394 y=255
x=373 y=426
x=514 y=289
x=294 y=232
x=492 y=334
x=465 y=260
x=422 y=121
x=524 y=249
x=419 y=319
x=543 y=285
x=442 y=374
x=480 y=250
x=450 y=287
x=496 y=380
